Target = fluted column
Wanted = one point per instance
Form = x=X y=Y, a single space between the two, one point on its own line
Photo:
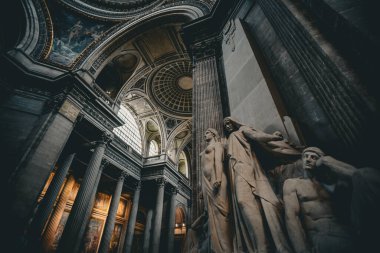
x=147 y=231
x=158 y=216
x=51 y=194
x=132 y=219
x=90 y=206
x=207 y=106
x=342 y=102
x=110 y=222
x=171 y=220
x=74 y=223
x=56 y=216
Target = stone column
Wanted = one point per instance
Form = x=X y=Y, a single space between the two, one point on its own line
x=74 y=223
x=90 y=206
x=147 y=231
x=171 y=220
x=207 y=106
x=132 y=219
x=56 y=216
x=47 y=203
x=156 y=232
x=36 y=164
x=346 y=107
x=110 y=222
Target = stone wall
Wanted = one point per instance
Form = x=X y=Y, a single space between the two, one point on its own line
x=250 y=98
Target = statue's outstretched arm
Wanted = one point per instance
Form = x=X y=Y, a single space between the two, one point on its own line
x=342 y=169
x=259 y=136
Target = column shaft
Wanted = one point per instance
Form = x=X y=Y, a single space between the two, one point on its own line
x=207 y=112
x=52 y=192
x=110 y=222
x=158 y=217
x=90 y=206
x=132 y=220
x=147 y=231
x=171 y=219
x=74 y=223
x=56 y=216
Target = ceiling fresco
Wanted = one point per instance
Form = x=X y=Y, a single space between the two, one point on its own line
x=72 y=34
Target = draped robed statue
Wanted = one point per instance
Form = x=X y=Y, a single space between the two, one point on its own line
x=257 y=211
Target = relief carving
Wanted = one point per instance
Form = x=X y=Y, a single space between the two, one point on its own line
x=69 y=110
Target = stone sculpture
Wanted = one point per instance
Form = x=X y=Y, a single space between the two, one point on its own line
x=365 y=198
x=311 y=223
x=254 y=203
x=197 y=240
x=215 y=193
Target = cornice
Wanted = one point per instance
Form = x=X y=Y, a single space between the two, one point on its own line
x=122 y=13
x=123 y=163
x=210 y=25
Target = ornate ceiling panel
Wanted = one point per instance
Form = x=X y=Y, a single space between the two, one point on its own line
x=171 y=88
x=123 y=5
x=130 y=9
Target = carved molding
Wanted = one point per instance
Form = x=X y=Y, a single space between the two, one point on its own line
x=118 y=13
x=106 y=138
x=160 y=182
x=229 y=34
x=206 y=48
x=123 y=163
x=45 y=35
x=69 y=110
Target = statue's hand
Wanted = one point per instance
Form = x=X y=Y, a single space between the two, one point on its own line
x=216 y=187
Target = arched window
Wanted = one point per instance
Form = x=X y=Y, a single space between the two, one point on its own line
x=153 y=148
x=180 y=222
x=129 y=132
x=182 y=165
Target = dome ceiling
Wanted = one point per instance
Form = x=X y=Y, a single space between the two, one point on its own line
x=171 y=87
x=123 y=5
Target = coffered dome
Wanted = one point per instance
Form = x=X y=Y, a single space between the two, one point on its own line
x=171 y=88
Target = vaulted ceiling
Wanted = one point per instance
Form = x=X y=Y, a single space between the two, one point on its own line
x=136 y=56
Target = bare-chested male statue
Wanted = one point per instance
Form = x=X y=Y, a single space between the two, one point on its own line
x=310 y=221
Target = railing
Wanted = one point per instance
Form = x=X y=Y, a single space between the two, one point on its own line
x=127 y=148
x=165 y=159
x=162 y=158
x=103 y=95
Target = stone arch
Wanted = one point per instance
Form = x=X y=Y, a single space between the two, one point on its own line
x=94 y=60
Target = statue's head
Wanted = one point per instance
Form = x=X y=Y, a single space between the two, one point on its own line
x=310 y=157
x=231 y=125
x=210 y=134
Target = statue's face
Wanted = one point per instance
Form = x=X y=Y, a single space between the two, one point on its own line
x=228 y=126
x=309 y=160
x=209 y=136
